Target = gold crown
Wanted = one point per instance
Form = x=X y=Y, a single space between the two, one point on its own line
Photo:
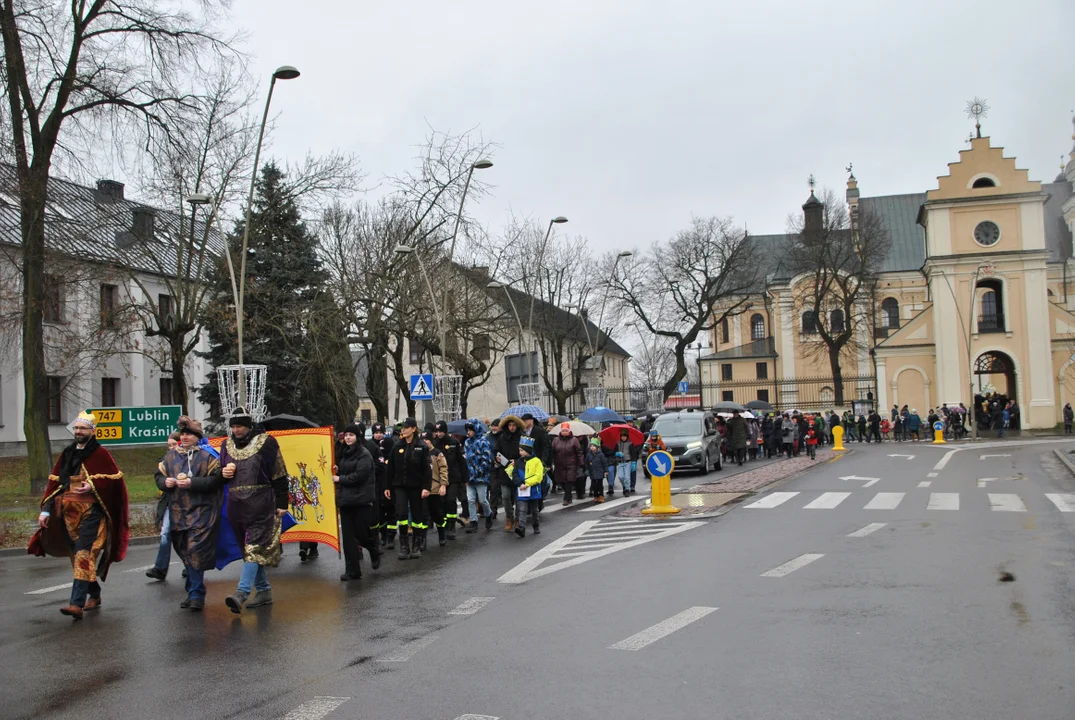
x=88 y=418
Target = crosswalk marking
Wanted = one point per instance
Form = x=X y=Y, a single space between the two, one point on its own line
x=316 y=709
x=407 y=651
x=472 y=606
x=662 y=629
x=828 y=501
x=1064 y=503
x=771 y=501
x=793 y=565
x=925 y=483
x=885 y=501
x=1006 y=502
x=943 y=501
x=871 y=528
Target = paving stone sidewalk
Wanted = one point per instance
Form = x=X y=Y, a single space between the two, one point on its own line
x=708 y=498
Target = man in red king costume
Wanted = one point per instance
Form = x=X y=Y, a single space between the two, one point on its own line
x=84 y=515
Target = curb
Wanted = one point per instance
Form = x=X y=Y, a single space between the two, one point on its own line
x=134 y=542
x=1062 y=456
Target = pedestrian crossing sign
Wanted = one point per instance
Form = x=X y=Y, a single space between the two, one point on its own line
x=422 y=386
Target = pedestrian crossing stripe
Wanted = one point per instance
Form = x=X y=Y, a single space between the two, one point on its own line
x=939 y=501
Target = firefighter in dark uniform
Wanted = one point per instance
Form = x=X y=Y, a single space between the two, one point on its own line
x=386 y=517
x=458 y=476
x=411 y=478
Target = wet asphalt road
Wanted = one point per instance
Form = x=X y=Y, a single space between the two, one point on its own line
x=905 y=620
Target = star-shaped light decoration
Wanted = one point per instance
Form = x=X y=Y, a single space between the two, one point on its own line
x=322 y=460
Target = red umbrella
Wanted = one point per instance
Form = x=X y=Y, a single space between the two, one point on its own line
x=611 y=435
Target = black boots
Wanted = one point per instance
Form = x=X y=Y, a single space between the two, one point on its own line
x=404 y=547
x=391 y=535
x=441 y=533
x=418 y=544
x=451 y=528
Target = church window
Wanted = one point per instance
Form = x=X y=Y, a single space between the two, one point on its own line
x=757 y=327
x=984 y=182
x=890 y=313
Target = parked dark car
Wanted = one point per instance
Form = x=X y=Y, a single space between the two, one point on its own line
x=692 y=439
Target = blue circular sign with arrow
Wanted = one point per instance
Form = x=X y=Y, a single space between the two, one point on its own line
x=938 y=426
x=660 y=463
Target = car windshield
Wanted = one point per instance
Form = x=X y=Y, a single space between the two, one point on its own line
x=678 y=426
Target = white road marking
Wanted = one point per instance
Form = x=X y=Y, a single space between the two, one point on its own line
x=771 y=501
x=472 y=606
x=470 y=716
x=793 y=565
x=871 y=528
x=943 y=501
x=1006 y=502
x=931 y=474
x=828 y=501
x=925 y=483
x=316 y=709
x=909 y=457
x=944 y=460
x=409 y=650
x=872 y=482
x=663 y=629
x=147 y=567
x=885 y=501
x=1063 y=502
x=577 y=538
x=983 y=481
x=54 y=588
x=983 y=457
x=598 y=507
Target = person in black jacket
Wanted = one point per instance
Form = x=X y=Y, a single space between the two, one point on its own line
x=386 y=510
x=511 y=429
x=411 y=476
x=355 y=478
x=458 y=476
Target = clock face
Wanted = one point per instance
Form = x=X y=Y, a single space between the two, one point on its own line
x=987 y=233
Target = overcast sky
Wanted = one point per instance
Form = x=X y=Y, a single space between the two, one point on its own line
x=630 y=116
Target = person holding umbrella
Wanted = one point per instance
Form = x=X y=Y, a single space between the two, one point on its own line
x=567 y=461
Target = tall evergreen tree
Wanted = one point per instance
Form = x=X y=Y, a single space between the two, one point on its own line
x=288 y=324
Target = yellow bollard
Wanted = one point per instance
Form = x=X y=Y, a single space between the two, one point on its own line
x=838 y=439
x=938 y=433
x=660 y=484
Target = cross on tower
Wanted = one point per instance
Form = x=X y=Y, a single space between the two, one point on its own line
x=977 y=109
x=811 y=181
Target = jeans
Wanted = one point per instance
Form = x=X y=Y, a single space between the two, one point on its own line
x=164 y=550
x=531 y=507
x=196 y=583
x=81 y=588
x=478 y=494
x=253 y=576
x=623 y=474
x=509 y=498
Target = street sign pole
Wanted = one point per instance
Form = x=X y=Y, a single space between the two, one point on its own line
x=660 y=465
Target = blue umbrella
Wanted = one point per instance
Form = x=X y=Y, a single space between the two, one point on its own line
x=520 y=410
x=601 y=415
x=459 y=427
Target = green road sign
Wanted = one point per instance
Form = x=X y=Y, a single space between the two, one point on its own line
x=136 y=425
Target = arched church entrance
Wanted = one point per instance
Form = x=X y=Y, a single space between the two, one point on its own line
x=994 y=372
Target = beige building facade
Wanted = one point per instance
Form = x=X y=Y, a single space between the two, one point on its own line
x=973 y=297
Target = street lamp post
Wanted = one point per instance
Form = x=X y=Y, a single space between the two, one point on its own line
x=409 y=250
x=604 y=300
x=284 y=72
x=494 y=285
x=558 y=220
x=443 y=322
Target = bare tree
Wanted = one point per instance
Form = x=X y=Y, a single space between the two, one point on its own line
x=653 y=363
x=838 y=263
x=682 y=288
x=71 y=68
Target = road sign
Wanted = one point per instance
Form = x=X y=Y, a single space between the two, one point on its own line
x=422 y=386
x=136 y=425
x=683 y=387
x=939 y=426
x=660 y=463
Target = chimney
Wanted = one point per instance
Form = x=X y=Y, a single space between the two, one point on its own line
x=142 y=225
x=109 y=192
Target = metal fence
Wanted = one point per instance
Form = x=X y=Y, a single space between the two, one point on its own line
x=805 y=393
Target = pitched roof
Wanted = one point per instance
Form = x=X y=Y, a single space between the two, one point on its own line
x=756 y=349
x=899 y=216
x=79 y=225
x=580 y=329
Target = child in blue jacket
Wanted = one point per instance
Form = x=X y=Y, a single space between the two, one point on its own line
x=597 y=466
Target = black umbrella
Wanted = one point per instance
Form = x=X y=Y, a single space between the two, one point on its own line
x=758 y=405
x=286 y=422
x=728 y=406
